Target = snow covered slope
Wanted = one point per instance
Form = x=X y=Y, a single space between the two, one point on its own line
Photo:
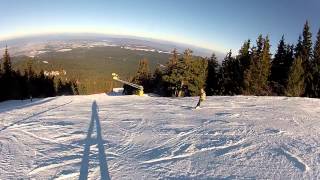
x=130 y=137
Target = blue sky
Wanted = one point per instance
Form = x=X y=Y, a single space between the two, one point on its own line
x=214 y=24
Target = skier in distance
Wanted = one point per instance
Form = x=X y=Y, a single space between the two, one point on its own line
x=201 y=98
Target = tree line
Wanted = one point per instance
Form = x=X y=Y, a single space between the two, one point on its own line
x=294 y=70
x=29 y=84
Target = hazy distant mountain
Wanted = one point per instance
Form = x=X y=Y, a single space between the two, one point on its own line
x=31 y=44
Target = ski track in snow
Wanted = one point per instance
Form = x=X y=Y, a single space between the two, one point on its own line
x=131 y=137
x=295 y=160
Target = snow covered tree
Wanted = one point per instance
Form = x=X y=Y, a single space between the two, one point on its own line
x=295 y=86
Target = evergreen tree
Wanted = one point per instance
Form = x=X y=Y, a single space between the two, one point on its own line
x=157 y=83
x=212 y=82
x=306 y=44
x=316 y=51
x=198 y=75
x=173 y=60
x=316 y=67
x=143 y=71
x=257 y=75
x=8 y=83
x=23 y=86
x=183 y=72
x=280 y=67
x=6 y=62
x=142 y=77
x=265 y=69
x=31 y=79
x=187 y=76
x=298 y=49
x=244 y=55
x=64 y=88
x=231 y=76
x=177 y=75
x=295 y=86
x=244 y=60
x=169 y=80
x=187 y=56
x=306 y=59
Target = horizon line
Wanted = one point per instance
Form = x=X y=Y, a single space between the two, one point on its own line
x=20 y=36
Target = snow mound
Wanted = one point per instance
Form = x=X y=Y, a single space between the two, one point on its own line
x=131 y=137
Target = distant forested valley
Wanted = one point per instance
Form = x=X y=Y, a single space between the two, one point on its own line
x=90 y=68
x=293 y=70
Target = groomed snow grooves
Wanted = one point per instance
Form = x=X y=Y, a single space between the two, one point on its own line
x=130 y=137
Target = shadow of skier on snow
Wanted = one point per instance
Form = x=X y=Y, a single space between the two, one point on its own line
x=104 y=172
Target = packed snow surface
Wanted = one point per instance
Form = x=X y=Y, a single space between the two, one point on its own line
x=131 y=137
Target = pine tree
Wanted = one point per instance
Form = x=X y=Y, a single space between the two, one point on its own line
x=186 y=77
x=30 y=71
x=198 y=75
x=295 y=86
x=316 y=67
x=157 y=83
x=142 y=77
x=306 y=59
x=316 y=50
x=231 y=78
x=184 y=72
x=143 y=72
x=257 y=75
x=212 y=82
x=306 y=44
x=8 y=82
x=170 y=77
x=280 y=67
x=173 y=60
x=30 y=77
x=7 y=62
x=244 y=60
x=298 y=49
x=265 y=69
x=177 y=76
x=244 y=55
